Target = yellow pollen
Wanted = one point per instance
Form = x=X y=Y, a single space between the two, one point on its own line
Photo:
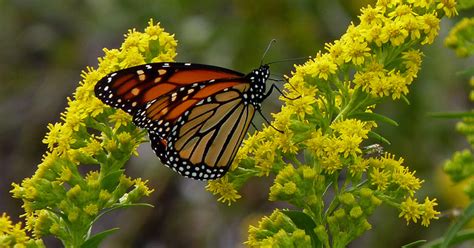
x=161 y=71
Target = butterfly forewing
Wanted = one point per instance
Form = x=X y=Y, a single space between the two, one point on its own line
x=196 y=115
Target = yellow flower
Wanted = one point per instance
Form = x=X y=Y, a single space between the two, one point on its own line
x=349 y=145
x=135 y=40
x=398 y=83
x=5 y=223
x=91 y=209
x=66 y=174
x=449 y=7
x=379 y=178
x=400 y=12
x=371 y=15
x=74 y=115
x=358 y=166
x=225 y=189
x=430 y=26
x=394 y=32
x=14 y=235
x=336 y=51
x=412 y=59
x=352 y=35
x=281 y=120
x=428 y=211
x=120 y=118
x=92 y=148
x=322 y=66
x=285 y=143
x=373 y=80
x=133 y=57
x=65 y=140
x=74 y=191
x=331 y=163
x=141 y=186
x=410 y=210
x=422 y=3
x=316 y=142
x=264 y=157
x=412 y=25
x=154 y=31
x=302 y=106
x=356 y=52
x=406 y=180
x=53 y=135
x=371 y=33
x=351 y=127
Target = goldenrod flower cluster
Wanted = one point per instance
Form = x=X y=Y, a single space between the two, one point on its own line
x=14 y=235
x=461 y=37
x=327 y=119
x=287 y=234
x=460 y=167
x=81 y=175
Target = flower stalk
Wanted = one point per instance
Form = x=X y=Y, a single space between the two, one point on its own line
x=327 y=119
x=81 y=176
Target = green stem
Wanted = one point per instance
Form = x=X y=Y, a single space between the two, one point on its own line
x=350 y=106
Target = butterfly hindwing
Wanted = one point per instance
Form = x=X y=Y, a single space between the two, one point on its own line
x=203 y=142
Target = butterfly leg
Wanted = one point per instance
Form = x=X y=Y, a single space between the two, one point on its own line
x=268 y=122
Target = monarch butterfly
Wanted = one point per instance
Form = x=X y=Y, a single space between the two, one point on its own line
x=196 y=115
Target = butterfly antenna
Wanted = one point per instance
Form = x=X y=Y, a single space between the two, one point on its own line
x=291 y=59
x=266 y=50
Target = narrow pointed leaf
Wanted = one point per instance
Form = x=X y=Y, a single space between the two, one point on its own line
x=365 y=116
x=304 y=222
x=378 y=137
x=94 y=241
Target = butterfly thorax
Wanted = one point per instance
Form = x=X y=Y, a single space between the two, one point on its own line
x=256 y=93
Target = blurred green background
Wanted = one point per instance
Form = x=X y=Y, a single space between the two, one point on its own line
x=44 y=45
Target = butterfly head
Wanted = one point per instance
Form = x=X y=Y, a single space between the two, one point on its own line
x=257 y=79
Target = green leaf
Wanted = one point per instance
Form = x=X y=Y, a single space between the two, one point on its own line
x=466 y=216
x=111 y=180
x=452 y=115
x=118 y=207
x=378 y=137
x=94 y=241
x=405 y=99
x=461 y=236
x=414 y=244
x=365 y=116
x=304 y=222
x=308 y=157
x=154 y=50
